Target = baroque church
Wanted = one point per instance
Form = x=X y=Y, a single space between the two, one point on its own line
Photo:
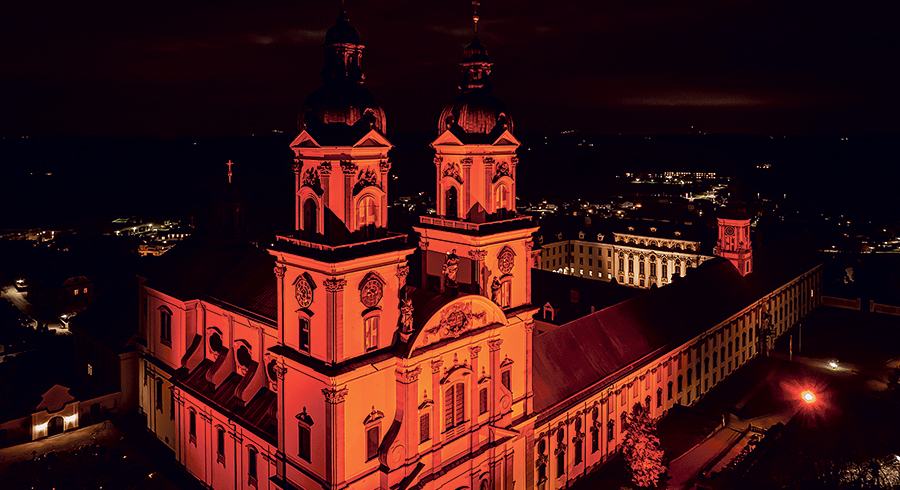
x=345 y=355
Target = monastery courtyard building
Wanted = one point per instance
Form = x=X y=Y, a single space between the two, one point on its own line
x=346 y=355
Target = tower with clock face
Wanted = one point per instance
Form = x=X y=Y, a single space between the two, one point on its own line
x=734 y=240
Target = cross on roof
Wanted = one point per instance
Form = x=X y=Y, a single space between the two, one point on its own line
x=230 y=163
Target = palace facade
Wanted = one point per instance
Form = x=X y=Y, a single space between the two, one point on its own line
x=344 y=355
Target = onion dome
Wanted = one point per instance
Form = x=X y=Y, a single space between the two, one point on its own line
x=475 y=116
x=342 y=111
x=342 y=32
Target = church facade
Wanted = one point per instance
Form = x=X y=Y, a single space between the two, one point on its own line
x=344 y=355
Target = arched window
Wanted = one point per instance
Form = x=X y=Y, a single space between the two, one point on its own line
x=669 y=391
x=501 y=197
x=610 y=430
x=366 y=212
x=303 y=334
x=220 y=445
x=165 y=326
x=451 y=197
x=679 y=383
x=454 y=405
x=560 y=452
x=690 y=377
x=192 y=426
x=304 y=443
x=251 y=466
x=371 y=332
x=310 y=217
x=577 y=441
x=542 y=458
x=715 y=359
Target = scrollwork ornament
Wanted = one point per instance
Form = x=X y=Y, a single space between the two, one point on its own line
x=335 y=285
x=335 y=395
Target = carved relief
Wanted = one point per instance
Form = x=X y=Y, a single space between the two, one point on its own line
x=502 y=170
x=409 y=376
x=506 y=259
x=366 y=178
x=297 y=165
x=495 y=291
x=335 y=285
x=450 y=268
x=371 y=289
x=406 y=316
x=455 y=320
x=384 y=165
x=494 y=345
x=373 y=416
x=474 y=350
x=311 y=178
x=348 y=167
x=334 y=395
x=436 y=366
x=325 y=168
x=477 y=254
x=438 y=160
x=402 y=271
x=303 y=291
x=279 y=271
x=452 y=170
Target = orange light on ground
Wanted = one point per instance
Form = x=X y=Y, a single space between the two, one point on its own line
x=808 y=396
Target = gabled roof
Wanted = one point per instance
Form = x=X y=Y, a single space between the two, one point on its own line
x=230 y=274
x=639 y=329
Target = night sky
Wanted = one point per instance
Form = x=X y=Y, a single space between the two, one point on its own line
x=170 y=68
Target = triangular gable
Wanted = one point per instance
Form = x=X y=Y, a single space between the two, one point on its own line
x=373 y=139
x=304 y=139
x=447 y=138
x=507 y=139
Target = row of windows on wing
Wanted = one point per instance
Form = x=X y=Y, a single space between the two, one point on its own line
x=454 y=416
x=252 y=451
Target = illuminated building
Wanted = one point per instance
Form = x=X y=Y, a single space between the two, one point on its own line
x=346 y=356
x=636 y=253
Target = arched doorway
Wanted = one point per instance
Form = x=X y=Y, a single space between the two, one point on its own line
x=450 y=203
x=310 y=217
x=55 y=426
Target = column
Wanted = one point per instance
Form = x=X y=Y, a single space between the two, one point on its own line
x=473 y=395
x=466 y=197
x=279 y=282
x=334 y=332
x=436 y=419
x=531 y=256
x=279 y=451
x=334 y=435
x=494 y=347
x=529 y=390
x=480 y=284
x=298 y=165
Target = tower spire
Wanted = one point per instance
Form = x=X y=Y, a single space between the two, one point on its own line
x=475 y=4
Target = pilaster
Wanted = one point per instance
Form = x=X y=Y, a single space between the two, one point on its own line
x=334 y=333
x=334 y=435
x=298 y=165
x=436 y=419
x=494 y=347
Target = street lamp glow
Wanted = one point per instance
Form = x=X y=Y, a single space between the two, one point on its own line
x=833 y=364
x=808 y=396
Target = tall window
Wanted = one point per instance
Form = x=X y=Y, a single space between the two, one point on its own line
x=424 y=427
x=561 y=452
x=501 y=197
x=366 y=212
x=669 y=391
x=192 y=424
x=371 y=333
x=305 y=451
x=505 y=380
x=172 y=404
x=251 y=466
x=159 y=395
x=165 y=326
x=454 y=405
x=595 y=431
x=610 y=431
x=658 y=397
x=373 y=436
x=690 y=376
x=577 y=456
x=482 y=401
x=542 y=467
x=220 y=445
x=679 y=383
x=303 y=335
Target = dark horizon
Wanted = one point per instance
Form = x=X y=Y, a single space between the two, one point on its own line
x=205 y=69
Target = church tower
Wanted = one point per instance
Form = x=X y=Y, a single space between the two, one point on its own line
x=734 y=240
x=477 y=243
x=338 y=274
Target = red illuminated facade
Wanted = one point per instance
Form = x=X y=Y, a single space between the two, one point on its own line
x=321 y=362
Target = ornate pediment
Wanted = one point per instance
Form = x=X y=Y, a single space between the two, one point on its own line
x=304 y=140
x=456 y=320
x=506 y=139
x=373 y=139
